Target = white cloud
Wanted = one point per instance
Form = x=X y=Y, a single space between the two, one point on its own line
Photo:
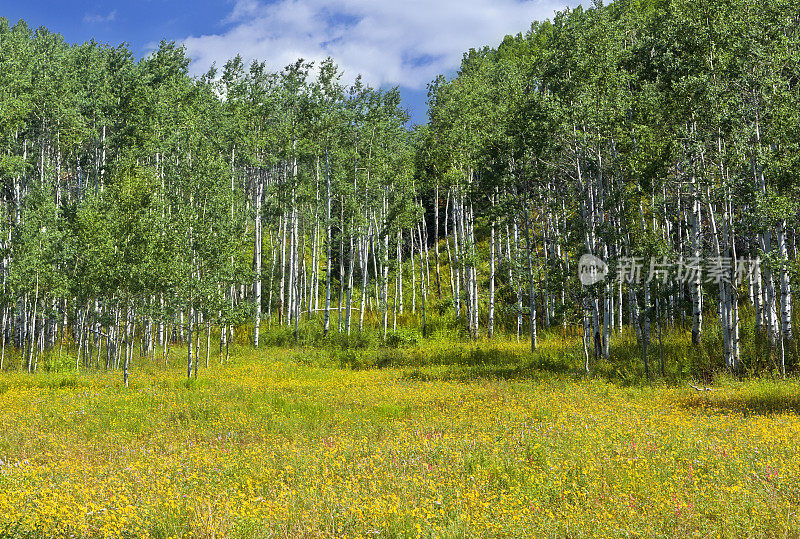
x=401 y=42
x=94 y=18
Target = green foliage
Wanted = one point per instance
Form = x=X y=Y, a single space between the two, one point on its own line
x=131 y=189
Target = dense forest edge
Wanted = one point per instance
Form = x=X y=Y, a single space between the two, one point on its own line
x=148 y=213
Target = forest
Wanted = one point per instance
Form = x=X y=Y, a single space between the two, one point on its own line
x=145 y=209
x=261 y=302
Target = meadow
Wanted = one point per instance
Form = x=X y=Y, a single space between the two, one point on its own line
x=418 y=439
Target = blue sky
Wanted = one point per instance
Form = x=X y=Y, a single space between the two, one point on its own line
x=401 y=43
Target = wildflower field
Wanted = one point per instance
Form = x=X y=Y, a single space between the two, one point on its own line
x=288 y=443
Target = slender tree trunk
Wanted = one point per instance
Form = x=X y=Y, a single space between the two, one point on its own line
x=786 y=293
x=329 y=236
x=348 y=315
x=697 y=291
x=490 y=323
x=423 y=294
x=532 y=284
x=127 y=339
x=436 y=240
x=189 y=344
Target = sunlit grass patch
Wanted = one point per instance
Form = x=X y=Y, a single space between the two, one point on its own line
x=486 y=439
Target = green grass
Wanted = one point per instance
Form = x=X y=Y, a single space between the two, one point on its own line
x=356 y=436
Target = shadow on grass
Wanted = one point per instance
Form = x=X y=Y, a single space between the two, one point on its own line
x=43 y=381
x=502 y=370
x=553 y=359
x=753 y=404
x=671 y=358
x=492 y=361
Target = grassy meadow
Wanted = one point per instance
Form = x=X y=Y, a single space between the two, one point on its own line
x=425 y=439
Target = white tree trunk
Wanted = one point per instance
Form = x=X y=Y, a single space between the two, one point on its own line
x=259 y=197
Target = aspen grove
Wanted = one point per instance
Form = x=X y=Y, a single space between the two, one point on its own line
x=144 y=208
